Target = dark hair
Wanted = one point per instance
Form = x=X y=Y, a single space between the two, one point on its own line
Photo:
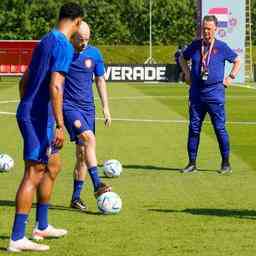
x=71 y=11
x=211 y=18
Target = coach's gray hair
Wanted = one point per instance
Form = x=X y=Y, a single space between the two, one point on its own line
x=211 y=18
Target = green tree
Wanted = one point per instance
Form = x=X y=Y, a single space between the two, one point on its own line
x=112 y=21
x=174 y=21
x=105 y=21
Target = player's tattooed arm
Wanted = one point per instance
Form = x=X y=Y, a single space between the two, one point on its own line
x=103 y=94
x=23 y=84
x=56 y=94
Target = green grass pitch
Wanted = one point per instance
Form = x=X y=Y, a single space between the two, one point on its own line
x=164 y=212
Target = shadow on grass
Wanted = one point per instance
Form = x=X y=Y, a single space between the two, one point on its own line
x=147 y=167
x=159 y=168
x=150 y=167
x=236 y=213
x=3 y=238
x=4 y=250
x=7 y=203
x=66 y=208
x=10 y=203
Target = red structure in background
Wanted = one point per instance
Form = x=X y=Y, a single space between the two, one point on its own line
x=15 y=56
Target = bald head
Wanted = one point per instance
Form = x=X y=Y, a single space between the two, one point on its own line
x=84 y=30
x=82 y=37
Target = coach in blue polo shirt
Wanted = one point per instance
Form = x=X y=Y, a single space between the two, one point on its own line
x=207 y=89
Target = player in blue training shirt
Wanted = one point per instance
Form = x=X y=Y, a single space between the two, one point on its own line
x=79 y=112
x=207 y=89
x=40 y=109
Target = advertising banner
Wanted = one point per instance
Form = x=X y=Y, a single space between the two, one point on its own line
x=231 y=26
x=139 y=73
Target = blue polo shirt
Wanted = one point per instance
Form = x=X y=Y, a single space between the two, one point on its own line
x=211 y=90
x=78 y=90
x=53 y=54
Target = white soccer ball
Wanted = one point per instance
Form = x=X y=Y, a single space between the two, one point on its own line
x=6 y=163
x=109 y=203
x=112 y=168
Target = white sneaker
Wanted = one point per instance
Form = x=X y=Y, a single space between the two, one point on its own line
x=26 y=245
x=50 y=231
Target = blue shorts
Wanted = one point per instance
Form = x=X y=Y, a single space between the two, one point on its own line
x=37 y=136
x=77 y=121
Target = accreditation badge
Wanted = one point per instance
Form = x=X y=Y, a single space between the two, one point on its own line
x=204 y=75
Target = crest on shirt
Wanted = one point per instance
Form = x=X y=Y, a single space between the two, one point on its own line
x=77 y=123
x=88 y=63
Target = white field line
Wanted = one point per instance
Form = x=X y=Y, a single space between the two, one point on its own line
x=150 y=97
x=140 y=120
x=245 y=86
x=175 y=85
x=7 y=113
x=8 y=101
x=172 y=97
x=181 y=121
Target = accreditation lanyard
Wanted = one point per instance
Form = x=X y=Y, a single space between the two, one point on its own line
x=206 y=55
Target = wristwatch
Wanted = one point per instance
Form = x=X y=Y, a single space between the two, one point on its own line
x=232 y=76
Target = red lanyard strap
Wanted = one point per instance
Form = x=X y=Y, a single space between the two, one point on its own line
x=206 y=55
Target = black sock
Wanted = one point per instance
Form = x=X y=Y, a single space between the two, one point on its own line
x=225 y=161
x=192 y=162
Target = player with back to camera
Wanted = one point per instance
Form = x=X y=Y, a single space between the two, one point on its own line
x=207 y=90
x=79 y=112
x=40 y=120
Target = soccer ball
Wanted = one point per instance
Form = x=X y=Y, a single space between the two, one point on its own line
x=112 y=168
x=6 y=163
x=109 y=203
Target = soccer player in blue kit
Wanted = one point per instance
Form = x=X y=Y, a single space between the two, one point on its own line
x=79 y=112
x=40 y=119
x=207 y=90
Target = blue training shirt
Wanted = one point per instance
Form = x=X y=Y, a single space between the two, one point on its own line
x=212 y=89
x=53 y=54
x=78 y=90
